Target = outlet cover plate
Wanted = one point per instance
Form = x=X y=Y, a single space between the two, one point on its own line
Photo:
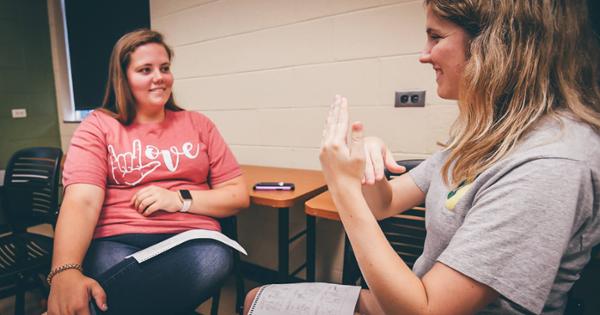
x=410 y=99
x=19 y=113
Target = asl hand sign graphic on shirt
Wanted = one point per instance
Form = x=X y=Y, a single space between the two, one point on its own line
x=127 y=167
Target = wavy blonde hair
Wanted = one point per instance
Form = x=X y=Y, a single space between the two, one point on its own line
x=118 y=99
x=527 y=59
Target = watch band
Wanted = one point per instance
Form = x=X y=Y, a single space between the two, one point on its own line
x=186 y=198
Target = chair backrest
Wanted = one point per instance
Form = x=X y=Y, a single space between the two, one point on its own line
x=408 y=164
x=406 y=231
x=31 y=187
x=582 y=298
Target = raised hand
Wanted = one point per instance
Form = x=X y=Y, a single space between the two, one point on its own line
x=342 y=162
x=127 y=168
x=153 y=198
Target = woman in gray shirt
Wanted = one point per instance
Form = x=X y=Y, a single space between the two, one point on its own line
x=512 y=199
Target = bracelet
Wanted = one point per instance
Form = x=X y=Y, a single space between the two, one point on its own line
x=60 y=269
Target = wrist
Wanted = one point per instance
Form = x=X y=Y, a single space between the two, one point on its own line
x=349 y=199
x=186 y=200
x=345 y=187
x=344 y=183
x=178 y=200
x=62 y=269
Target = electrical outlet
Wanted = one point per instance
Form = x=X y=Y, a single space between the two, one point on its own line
x=19 y=113
x=410 y=99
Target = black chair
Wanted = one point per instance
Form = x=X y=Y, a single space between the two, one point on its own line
x=30 y=197
x=405 y=232
x=582 y=297
x=229 y=228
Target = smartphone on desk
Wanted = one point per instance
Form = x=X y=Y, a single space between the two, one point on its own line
x=273 y=186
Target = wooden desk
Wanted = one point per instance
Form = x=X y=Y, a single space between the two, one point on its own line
x=322 y=206
x=308 y=183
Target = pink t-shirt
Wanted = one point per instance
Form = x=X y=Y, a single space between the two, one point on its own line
x=184 y=151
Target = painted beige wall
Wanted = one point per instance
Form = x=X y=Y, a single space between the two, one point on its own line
x=266 y=71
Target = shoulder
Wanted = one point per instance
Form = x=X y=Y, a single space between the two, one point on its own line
x=561 y=150
x=556 y=148
x=431 y=164
x=98 y=121
x=194 y=117
x=562 y=138
x=555 y=144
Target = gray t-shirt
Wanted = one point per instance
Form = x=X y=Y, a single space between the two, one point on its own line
x=526 y=225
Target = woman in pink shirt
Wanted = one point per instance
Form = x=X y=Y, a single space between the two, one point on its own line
x=138 y=171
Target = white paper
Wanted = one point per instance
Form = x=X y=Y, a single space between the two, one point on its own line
x=173 y=241
x=309 y=298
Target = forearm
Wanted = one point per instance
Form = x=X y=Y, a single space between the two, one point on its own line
x=222 y=201
x=71 y=290
x=397 y=289
x=388 y=198
x=378 y=197
x=74 y=231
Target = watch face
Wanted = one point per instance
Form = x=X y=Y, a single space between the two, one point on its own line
x=185 y=194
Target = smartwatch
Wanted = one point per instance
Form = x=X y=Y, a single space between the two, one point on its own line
x=186 y=197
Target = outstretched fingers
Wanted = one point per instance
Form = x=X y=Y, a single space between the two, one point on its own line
x=391 y=165
x=357 y=150
x=331 y=121
x=342 y=121
x=336 y=126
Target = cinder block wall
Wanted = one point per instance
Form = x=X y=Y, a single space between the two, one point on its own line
x=266 y=72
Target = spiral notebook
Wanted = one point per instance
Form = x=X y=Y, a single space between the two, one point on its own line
x=161 y=247
x=315 y=298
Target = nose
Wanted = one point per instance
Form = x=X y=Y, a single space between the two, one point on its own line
x=158 y=76
x=425 y=56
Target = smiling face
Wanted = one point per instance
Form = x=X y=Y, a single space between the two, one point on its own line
x=446 y=52
x=149 y=76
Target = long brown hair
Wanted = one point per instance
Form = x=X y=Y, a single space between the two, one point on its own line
x=118 y=99
x=527 y=59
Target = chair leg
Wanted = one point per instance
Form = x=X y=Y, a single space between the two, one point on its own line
x=351 y=271
x=214 y=305
x=237 y=267
x=239 y=284
x=41 y=283
x=20 y=302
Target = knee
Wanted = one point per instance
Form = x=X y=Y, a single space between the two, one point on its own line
x=249 y=299
x=221 y=261
x=215 y=260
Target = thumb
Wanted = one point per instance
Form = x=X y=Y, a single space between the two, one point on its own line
x=356 y=140
x=391 y=165
x=99 y=296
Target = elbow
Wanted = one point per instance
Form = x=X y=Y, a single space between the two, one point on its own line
x=241 y=203
x=244 y=197
x=244 y=201
x=380 y=215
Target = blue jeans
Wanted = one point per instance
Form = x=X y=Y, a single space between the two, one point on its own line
x=174 y=282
